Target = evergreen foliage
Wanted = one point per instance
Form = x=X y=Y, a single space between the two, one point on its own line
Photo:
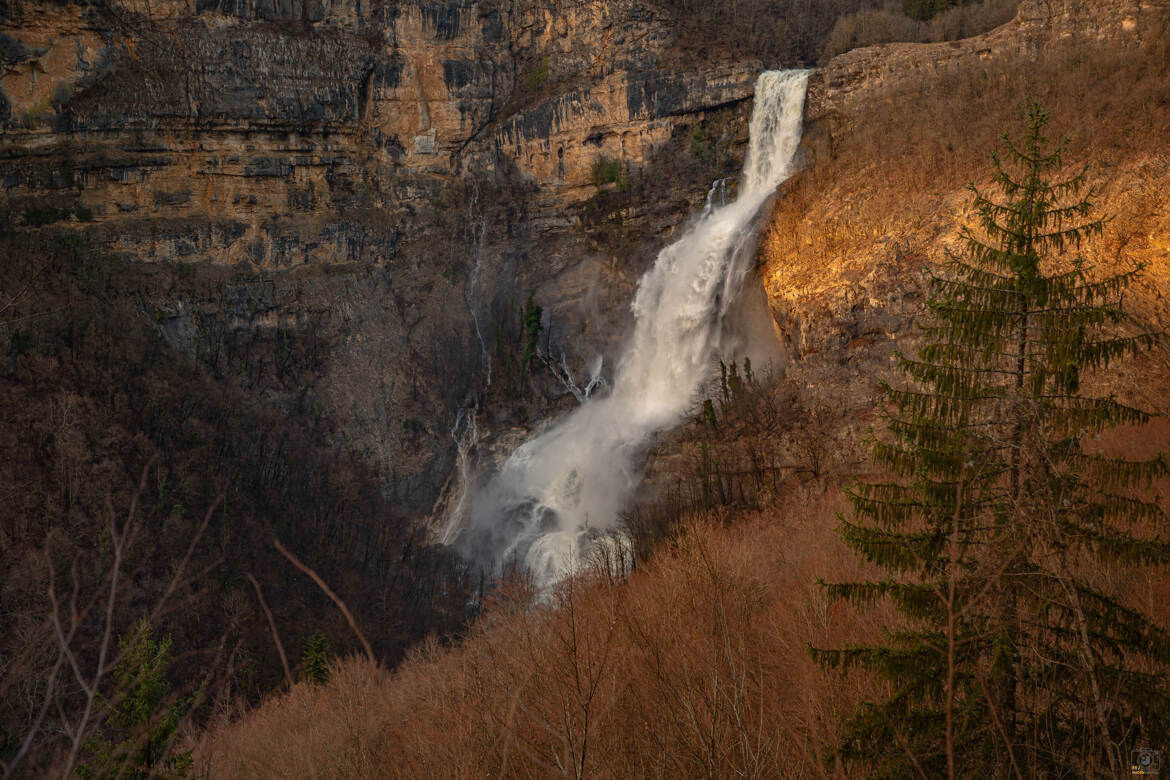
x=608 y=171
x=1011 y=660
x=315 y=660
x=142 y=716
x=537 y=77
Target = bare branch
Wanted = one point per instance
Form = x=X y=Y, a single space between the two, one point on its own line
x=275 y=634
x=295 y=561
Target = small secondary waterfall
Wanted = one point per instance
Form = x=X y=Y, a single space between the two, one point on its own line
x=556 y=501
x=465 y=434
x=478 y=226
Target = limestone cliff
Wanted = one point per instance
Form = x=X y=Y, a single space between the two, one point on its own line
x=253 y=114
x=373 y=173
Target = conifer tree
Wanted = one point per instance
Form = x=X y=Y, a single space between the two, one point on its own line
x=134 y=740
x=1010 y=659
x=315 y=660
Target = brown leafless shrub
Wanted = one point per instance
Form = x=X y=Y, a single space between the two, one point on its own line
x=79 y=648
x=695 y=664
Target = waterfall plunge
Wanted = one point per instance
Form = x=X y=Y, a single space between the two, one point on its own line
x=557 y=499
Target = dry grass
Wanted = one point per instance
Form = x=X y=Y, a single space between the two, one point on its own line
x=693 y=666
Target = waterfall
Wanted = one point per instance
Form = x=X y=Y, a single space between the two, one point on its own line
x=478 y=227
x=556 y=501
x=465 y=434
x=465 y=431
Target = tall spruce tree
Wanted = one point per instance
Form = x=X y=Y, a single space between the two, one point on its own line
x=995 y=525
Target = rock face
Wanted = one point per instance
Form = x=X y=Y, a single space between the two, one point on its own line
x=256 y=114
x=854 y=77
x=391 y=180
x=896 y=132
x=391 y=177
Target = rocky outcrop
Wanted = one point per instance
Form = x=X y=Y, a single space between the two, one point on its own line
x=625 y=117
x=852 y=78
x=394 y=178
x=894 y=135
x=252 y=114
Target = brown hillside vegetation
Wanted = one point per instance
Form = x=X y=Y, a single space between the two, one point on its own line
x=694 y=666
x=884 y=189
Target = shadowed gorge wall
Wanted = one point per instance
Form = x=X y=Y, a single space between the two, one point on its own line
x=353 y=166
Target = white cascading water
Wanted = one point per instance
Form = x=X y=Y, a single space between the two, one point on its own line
x=478 y=226
x=465 y=431
x=556 y=502
x=465 y=434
